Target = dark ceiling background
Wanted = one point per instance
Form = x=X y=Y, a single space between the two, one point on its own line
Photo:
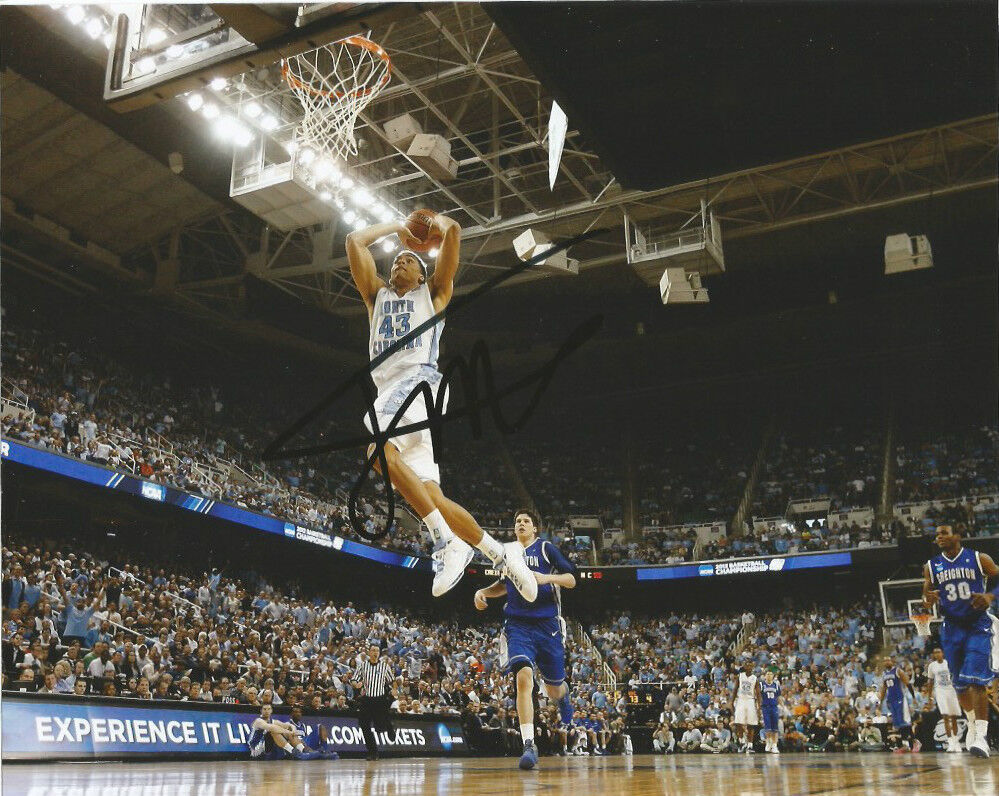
x=686 y=91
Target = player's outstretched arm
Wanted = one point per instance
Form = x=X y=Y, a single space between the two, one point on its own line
x=496 y=589
x=931 y=596
x=442 y=281
x=989 y=568
x=362 y=264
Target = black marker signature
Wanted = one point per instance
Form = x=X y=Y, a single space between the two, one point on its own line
x=435 y=416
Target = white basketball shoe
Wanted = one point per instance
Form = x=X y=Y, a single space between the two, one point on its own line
x=514 y=566
x=450 y=562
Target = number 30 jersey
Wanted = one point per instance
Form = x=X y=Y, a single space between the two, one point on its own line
x=393 y=318
x=957 y=579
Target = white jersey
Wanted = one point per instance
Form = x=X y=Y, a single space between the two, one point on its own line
x=747 y=686
x=939 y=673
x=394 y=317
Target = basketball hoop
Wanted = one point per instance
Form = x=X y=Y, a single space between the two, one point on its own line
x=922 y=623
x=335 y=83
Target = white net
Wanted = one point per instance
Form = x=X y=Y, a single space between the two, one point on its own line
x=335 y=83
x=922 y=623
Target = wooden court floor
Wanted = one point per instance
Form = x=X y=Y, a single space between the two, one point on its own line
x=766 y=775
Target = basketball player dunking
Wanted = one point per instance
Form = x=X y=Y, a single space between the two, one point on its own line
x=956 y=581
x=409 y=299
x=534 y=633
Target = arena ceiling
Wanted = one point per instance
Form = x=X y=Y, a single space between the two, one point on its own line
x=874 y=115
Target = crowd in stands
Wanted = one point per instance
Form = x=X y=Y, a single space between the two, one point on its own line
x=88 y=405
x=116 y=625
x=946 y=464
x=820 y=461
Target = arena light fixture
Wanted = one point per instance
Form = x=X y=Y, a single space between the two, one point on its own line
x=175 y=51
x=347 y=182
x=195 y=101
x=94 y=27
x=242 y=135
x=433 y=252
x=324 y=168
x=339 y=203
x=325 y=196
x=388 y=245
x=252 y=109
x=385 y=214
x=75 y=14
x=218 y=84
x=210 y=110
x=362 y=197
x=360 y=223
x=291 y=147
x=349 y=216
x=306 y=156
x=145 y=66
x=269 y=122
x=155 y=36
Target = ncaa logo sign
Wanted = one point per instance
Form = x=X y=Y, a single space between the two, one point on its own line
x=446 y=739
x=776 y=565
x=289 y=529
x=706 y=569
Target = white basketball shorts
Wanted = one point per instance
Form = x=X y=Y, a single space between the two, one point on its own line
x=746 y=712
x=416 y=447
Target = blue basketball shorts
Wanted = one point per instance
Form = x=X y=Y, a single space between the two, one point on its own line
x=769 y=718
x=972 y=652
x=900 y=716
x=538 y=642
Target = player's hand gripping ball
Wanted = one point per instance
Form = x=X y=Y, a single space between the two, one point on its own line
x=423 y=235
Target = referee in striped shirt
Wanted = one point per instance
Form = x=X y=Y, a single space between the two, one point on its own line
x=374 y=679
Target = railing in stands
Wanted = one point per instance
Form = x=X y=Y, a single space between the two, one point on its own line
x=742 y=638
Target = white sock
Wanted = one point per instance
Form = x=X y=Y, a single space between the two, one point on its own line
x=970 y=716
x=981 y=729
x=287 y=747
x=440 y=533
x=300 y=747
x=492 y=548
x=527 y=733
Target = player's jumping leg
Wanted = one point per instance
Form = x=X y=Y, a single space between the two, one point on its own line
x=525 y=710
x=453 y=529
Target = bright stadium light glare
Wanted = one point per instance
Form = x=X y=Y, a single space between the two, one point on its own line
x=145 y=66
x=347 y=182
x=306 y=156
x=175 y=51
x=225 y=126
x=361 y=223
x=94 y=27
x=155 y=36
x=388 y=245
x=75 y=14
x=218 y=84
x=323 y=168
x=108 y=39
x=433 y=252
x=385 y=214
x=253 y=109
x=291 y=147
x=362 y=197
x=242 y=135
x=349 y=216
x=269 y=122
x=195 y=101
x=339 y=203
x=325 y=196
x=210 y=111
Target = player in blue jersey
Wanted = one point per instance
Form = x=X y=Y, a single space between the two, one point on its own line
x=320 y=744
x=534 y=632
x=273 y=739
x=895 y=691
x=956 y=581
x=769 y=707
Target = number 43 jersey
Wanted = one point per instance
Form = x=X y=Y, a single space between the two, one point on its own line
x=393 y=318
x=957 y=579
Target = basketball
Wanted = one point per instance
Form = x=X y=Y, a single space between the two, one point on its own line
x=419 y=225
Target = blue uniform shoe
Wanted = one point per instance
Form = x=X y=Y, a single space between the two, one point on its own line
x=529 y=759
x=565 y=708
x=329 y=754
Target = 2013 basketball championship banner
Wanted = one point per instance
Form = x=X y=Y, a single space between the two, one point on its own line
x=58 y=727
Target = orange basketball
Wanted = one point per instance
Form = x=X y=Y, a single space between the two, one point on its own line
x=419 y=225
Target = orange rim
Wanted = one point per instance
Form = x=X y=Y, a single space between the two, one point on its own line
x=356 y=41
